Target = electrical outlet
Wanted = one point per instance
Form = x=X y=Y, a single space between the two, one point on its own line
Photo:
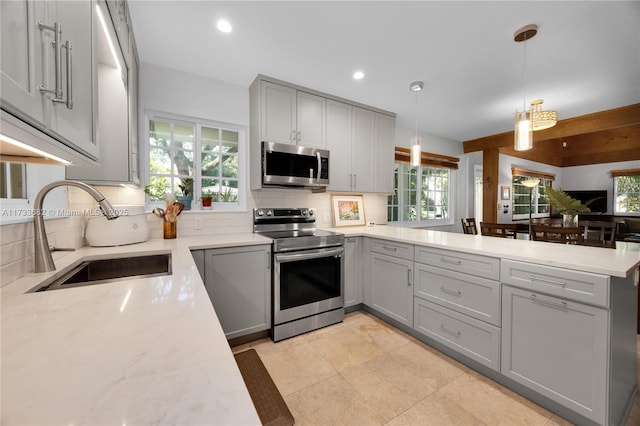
x=197 y=223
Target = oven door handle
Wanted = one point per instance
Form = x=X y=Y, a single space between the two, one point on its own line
x=315 y=254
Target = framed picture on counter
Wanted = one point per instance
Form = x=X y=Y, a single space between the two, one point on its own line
x=348 y=210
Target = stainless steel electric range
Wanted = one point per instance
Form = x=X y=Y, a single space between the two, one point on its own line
x=308 y=271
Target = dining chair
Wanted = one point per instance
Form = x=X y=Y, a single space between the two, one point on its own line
x=598 y=233
x=555 y=234
x=469 y=226
x=503 y=230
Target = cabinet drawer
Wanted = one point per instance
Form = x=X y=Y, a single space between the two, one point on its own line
x=475 y=339
x=404 y=251
x=474 y=296
x=575 y=285
x=481 y=266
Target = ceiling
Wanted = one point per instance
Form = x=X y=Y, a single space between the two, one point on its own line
x=585 y=57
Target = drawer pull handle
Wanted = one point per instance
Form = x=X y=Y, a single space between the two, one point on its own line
x=453 y=262
x=561 y=305
x=390 y=248
x=542 y=280
x=448 y=331
x=454 y=292
x=409 y=277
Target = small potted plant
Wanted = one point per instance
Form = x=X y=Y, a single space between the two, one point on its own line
x=206 y=199
x=186 y=190
x=566 y=205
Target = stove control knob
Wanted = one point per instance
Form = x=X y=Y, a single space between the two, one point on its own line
x=303 y=212
x=311 y=212
x=269 y=212
x=260 y=212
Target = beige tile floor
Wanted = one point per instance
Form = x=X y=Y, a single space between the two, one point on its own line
x=366 y=372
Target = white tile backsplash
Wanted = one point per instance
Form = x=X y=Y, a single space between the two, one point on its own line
x=16 y=241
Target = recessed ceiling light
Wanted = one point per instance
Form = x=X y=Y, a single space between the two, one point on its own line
x=358 y=75
x=224 y=26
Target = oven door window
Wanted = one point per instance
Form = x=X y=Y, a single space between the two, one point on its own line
x=308 y=281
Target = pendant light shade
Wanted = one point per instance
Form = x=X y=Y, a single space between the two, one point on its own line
x=416 y=150
x=542 y=119
x=523 y=139
x=523 y=132
x=416 y=141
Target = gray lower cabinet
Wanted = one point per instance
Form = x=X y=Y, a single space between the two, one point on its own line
x=558 y=348
x=238 y=281
x=352 y=272
x=391 y=285
x=475 y=339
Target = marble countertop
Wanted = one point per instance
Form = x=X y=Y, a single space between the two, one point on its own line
x=140 y=351
x=152 y=351
x=620 y=262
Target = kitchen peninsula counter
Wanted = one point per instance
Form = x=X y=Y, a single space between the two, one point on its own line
x=138 y=351
x=617 y=263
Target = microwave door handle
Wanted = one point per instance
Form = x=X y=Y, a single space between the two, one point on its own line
x=319 y=165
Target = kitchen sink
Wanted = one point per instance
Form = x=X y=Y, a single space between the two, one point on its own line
x=102 y=271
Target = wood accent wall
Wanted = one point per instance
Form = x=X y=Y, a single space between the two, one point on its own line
x=602 y=137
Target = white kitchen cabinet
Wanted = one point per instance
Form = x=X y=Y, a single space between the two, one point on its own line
x=558 y=348
x=363 y=150
x=291 y=116
x=238 y=281
x=474 y=339
x=388 y=286
x=277 y=113
x=48 y=85
x=117 y=119
x=119 y=13
x=384 y=152
x=352 y=271
x=310 y=122
x=339 y=135
x=360 y=139
x=361 y=157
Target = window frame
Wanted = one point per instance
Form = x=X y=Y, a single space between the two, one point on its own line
x=535 y=195
x=422 y=223
x=240 y=205
x=620 y=174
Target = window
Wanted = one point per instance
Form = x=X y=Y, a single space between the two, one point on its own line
x=522 y=196
x=422 y=194
x=626 y=191
x=196 y=157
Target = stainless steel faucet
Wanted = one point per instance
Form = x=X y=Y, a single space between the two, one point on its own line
x=43 y=258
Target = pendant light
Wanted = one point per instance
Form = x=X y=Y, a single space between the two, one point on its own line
x=523 y=133
x=542 y=119
x=416 y=141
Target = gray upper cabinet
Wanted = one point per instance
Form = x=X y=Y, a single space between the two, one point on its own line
x=119 y=12
x=361 y=144
x=48 y=73
x=360 y=138
x=117 y=105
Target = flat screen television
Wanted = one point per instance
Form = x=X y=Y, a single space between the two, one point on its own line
x=600 y=205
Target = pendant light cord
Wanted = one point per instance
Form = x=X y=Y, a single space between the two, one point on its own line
x=524 y=76
x=416 y=115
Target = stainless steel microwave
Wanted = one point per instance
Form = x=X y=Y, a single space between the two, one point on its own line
x=294 y=165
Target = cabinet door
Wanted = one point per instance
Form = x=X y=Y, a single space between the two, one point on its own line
x=76 y=125
x=310 y=120
x=278 y=112
x=134 y=162
x=352 y=272
x=384 y=152
x=339 y=145
x=363 y=150
x=391 y=287
x=22 y=59
x=557 y=348
x=241 y=295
